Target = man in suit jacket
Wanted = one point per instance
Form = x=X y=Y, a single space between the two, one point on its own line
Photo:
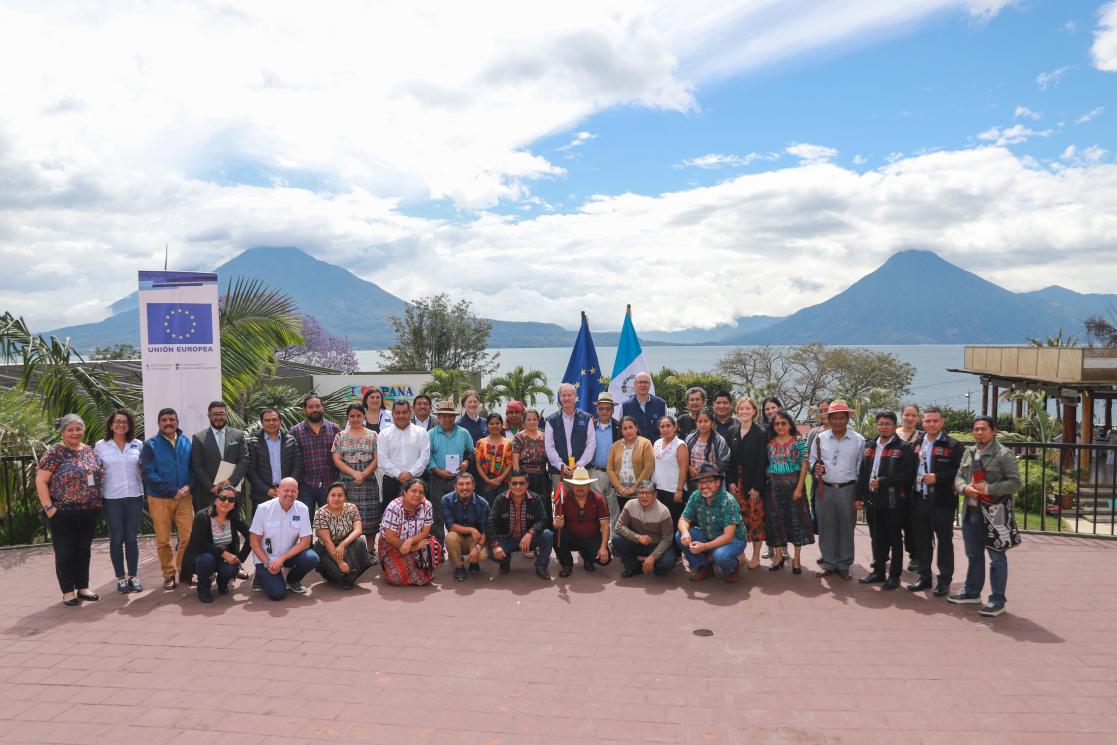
x=208 y=448
x=273 y=455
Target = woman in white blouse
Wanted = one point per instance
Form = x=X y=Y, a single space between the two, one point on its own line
x=122 y=496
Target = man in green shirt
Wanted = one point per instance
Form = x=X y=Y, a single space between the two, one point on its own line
x=711 y=531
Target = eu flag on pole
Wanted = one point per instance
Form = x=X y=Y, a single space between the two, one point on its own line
x=583 y=370
x=175 y=323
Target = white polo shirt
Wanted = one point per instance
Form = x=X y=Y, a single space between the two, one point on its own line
x=279 y=531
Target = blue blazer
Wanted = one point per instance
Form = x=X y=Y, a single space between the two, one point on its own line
x=647 y=421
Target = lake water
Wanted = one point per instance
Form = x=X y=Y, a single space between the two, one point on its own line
x=932 y=384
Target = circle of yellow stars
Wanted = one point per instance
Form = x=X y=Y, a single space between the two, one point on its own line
x=180 y=312
x=592 y=372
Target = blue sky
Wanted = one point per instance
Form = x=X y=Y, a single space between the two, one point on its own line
x=544 y=159
x=933 y=85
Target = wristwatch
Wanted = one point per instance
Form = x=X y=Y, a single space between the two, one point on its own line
x=47 y=508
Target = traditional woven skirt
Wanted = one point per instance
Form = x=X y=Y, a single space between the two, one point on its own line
x=367 y=498
x=786 y=520
x=403 y=569
x=753 y=514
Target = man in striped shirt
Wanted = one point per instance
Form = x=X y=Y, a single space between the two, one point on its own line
x=644 y=540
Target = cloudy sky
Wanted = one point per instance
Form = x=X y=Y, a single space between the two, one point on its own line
x=701 y=160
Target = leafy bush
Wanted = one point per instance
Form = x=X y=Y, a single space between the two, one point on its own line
x=1040 y=482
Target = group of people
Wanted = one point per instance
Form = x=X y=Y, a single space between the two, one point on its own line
x=412 y=484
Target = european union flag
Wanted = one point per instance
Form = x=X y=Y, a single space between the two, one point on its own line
x=583 y=370
x=179 y=323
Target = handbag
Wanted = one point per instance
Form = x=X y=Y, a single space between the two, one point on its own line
x=1001 y=532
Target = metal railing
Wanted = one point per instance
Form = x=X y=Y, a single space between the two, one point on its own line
x=1066 y=488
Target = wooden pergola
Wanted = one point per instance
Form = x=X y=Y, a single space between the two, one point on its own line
x=1077 y=377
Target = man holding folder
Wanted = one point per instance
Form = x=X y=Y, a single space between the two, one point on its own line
x=218 y=456
x=451 y=451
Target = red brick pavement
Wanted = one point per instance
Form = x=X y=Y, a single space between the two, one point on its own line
x=590 y=659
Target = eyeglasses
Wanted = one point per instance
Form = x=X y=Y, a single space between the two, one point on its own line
x=227 y=499
x=120 y=422
x=517 y=483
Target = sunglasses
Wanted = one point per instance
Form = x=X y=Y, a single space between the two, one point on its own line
x=227 y=499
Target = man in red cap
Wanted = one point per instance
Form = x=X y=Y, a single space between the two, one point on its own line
x=835 y=457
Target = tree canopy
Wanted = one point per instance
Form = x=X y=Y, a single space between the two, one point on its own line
x=432 y=334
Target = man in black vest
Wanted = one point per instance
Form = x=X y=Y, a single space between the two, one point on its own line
x=273 y=456
x=569 y=437
x=884 y=485
x=934 y=502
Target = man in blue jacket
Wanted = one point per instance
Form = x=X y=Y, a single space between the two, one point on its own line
x=645 y=407
x=169 y=485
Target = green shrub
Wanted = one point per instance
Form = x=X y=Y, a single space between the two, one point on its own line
x=1040 y=482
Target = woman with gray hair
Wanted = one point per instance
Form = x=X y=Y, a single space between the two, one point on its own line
x=68 y=483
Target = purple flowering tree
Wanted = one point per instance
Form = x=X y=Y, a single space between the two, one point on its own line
x=321 y=348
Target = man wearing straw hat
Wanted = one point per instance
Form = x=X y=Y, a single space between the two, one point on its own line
x=451 y=451
x=835 y=457
x=581 y=524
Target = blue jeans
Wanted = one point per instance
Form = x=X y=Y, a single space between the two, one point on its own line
x=123 y=517
x=542 y=541
x=273 y=585
x=205 y=566
x=973 y=538
x=723 y=557
x=631 y=552
x=312 y=497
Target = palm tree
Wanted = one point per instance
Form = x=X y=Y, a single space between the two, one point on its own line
x=448 y=385
x=54 y=378
x=1054 y=341
x=256 y=321
x=522 y=385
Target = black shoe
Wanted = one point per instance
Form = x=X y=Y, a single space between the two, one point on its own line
x=779 y=566
x=922 y=584
x=891 y=583
x=942 y=589
x=475 y=567
x=222 y=588
x=992 y=609
x=459 y=574
x=543 y=574
x=71 y=602
x=204 y=595
x=505 y=566
x=869 y=579
x=844 y=574
x=630 y=573
x=565 y=571
x=588 y=564
x=256 y=583
x=90 y=596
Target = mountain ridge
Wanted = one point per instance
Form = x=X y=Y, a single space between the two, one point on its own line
x=881 y=307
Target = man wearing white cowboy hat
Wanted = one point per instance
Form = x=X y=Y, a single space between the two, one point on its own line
x=581 y=524
x=835 y=457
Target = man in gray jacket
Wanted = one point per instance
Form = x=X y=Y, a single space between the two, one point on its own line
x=988 y=473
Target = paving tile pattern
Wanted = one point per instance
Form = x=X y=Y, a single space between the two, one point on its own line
x=590 y=659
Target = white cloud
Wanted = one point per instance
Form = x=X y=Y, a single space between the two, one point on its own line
x=580 y=138
x=1047 y=80
x=1013 y=135
x=1026 y=112
x=809 y=154
x=1071 y=27
x=723 y=160
x=1104 y=49
x=1087 y=156
x=983 y=208
x=860 y=160
x=1089 y=115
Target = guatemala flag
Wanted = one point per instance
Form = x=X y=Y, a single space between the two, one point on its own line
x=583 y=370
x=630 y=360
